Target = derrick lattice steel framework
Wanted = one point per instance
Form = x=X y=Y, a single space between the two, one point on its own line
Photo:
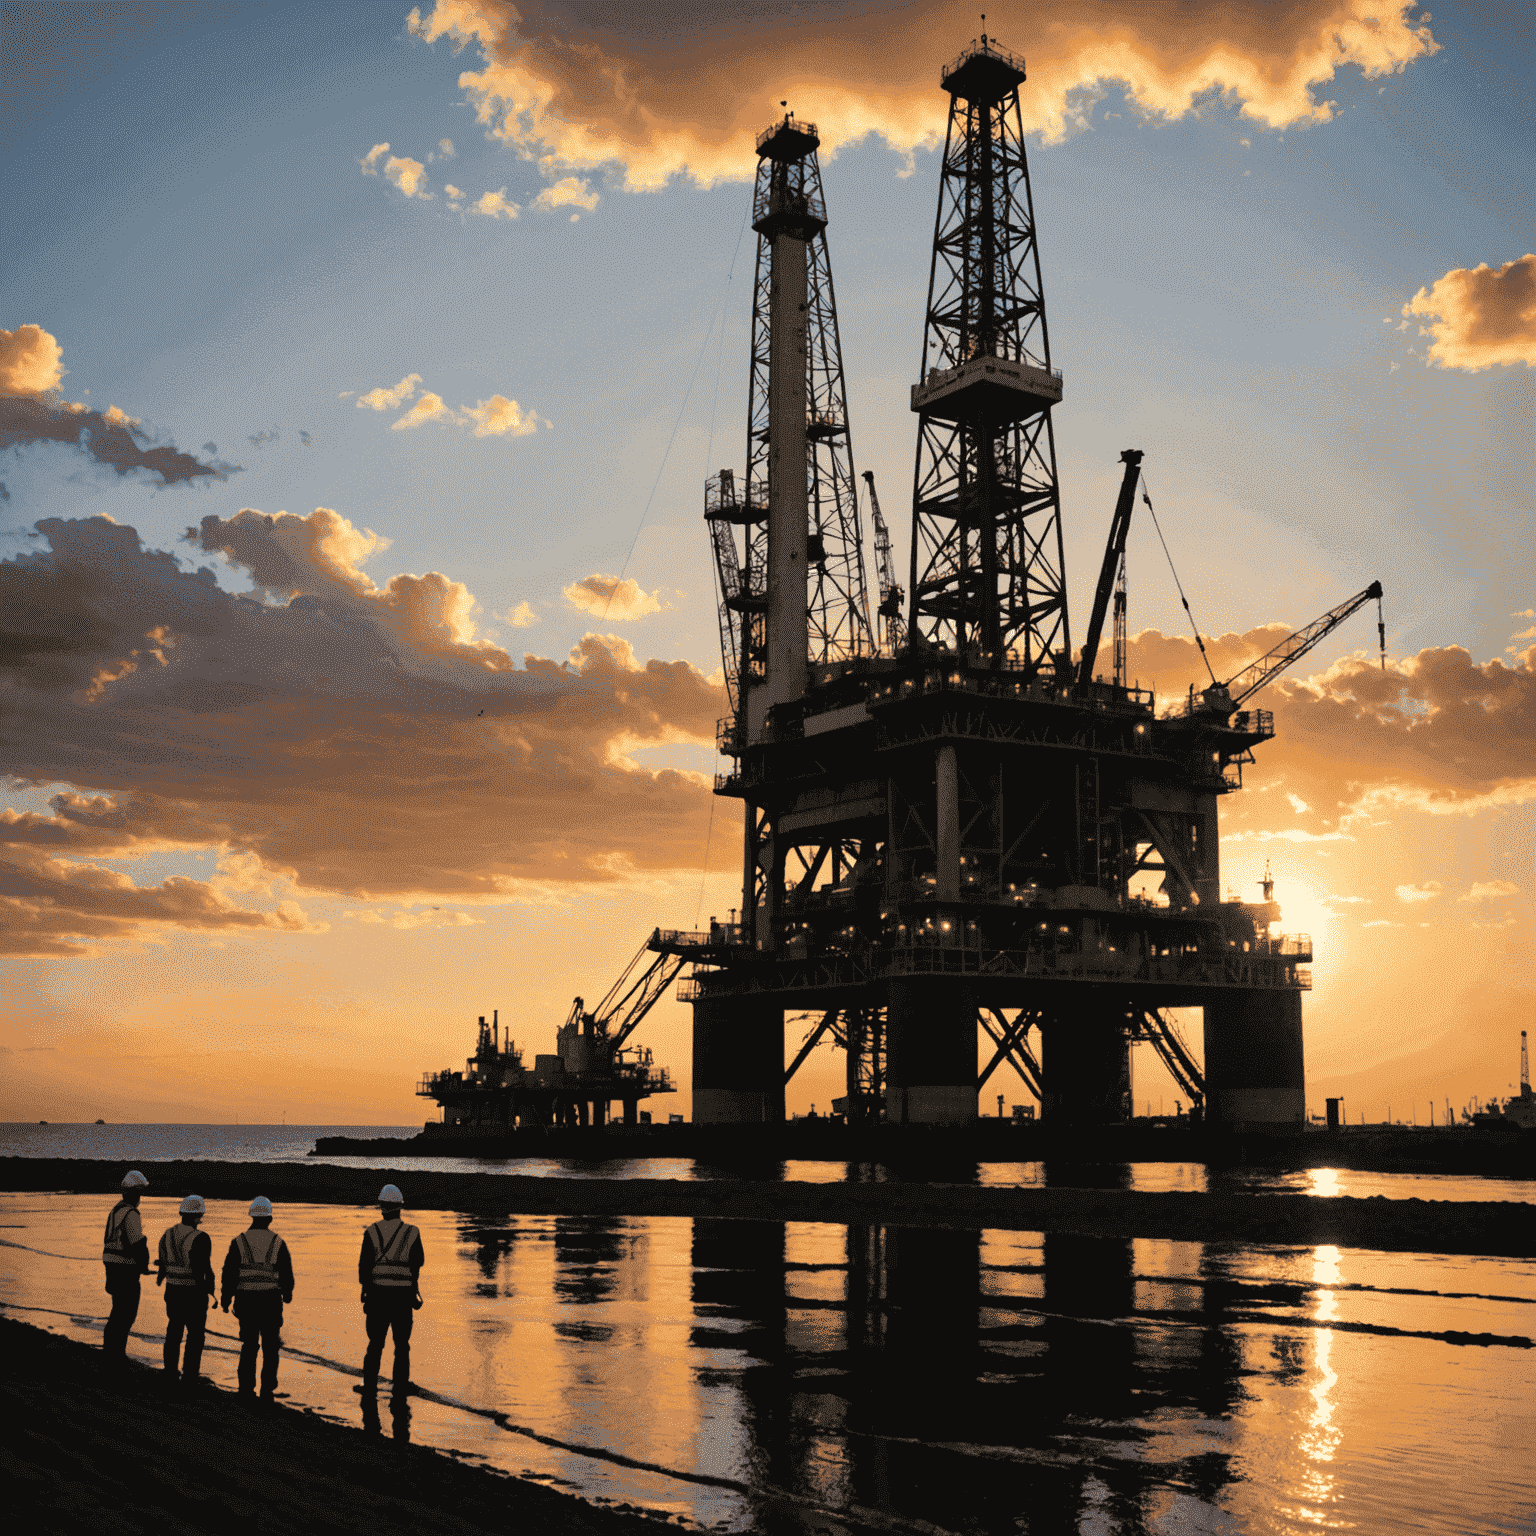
x=987 y=569
x=837 y=601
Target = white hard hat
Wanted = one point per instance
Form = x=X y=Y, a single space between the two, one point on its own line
x=261 y=1206
x=390 y=1195
x=193 y=1206
x=133 y=1179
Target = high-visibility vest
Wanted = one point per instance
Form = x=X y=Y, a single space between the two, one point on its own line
x=176 y=1254
x=258 y=1260
x=392 y=1255
x=114 y=1242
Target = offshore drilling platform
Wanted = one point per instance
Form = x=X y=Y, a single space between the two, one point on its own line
x=952 y=824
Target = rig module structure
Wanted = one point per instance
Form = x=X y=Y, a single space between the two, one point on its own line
x=948 y=819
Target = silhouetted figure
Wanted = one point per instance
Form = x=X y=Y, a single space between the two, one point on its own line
x=258 y=1279
x=389 y=1272
x=186 y=1272
x=124 y=1256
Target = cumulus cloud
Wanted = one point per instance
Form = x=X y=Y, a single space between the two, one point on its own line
x=31 y=361
x=382 y=399
x=500 y=417
x=429 y=408
x=68 y=908
x=609 y=598
x=658 y=93
x=568 y=192
x=494 y=205
x=370 y=161
x=1413 y=894
x=362 y=738
x=496 y=417
x=445 y=148
x=1484 y=317
x=1490 y=890
x=1437 y=732
x=522 y=617
x=31 y=365
x=410 y=176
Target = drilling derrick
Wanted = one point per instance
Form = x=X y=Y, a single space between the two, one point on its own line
x=963 y=835
x=987 y=573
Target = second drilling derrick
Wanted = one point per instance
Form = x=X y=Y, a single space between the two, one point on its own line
x=955 y=830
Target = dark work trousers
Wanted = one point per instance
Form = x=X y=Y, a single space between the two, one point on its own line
x=123 y=1288
x=261 y=1327
x=186 y=1307
x=382 y=1313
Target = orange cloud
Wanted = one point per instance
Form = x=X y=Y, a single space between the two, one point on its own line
x=494 y=205
x=568 y=192
x=410 y=176
x=31 y=366
x=500 y=417
x=31 y=361
x=58 y=907
x=361 y=738
x=1438 y=732
x=1484 y=317
x=658 y=92
x=607 y=597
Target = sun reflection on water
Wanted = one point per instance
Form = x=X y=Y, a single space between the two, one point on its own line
x=1321 y=1440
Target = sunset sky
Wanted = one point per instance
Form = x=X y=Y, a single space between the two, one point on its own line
x=348 y=356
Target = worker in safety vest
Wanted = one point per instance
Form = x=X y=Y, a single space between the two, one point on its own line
x=258 y=1279
x=388 y=1270
x=186 y=1271
x=124 y=1256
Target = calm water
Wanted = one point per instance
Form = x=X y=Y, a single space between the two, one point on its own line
x=292 y=1143
x=767 y=1377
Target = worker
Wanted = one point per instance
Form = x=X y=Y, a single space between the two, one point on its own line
x=389 y=1272
x=124 y=1256
x=258 y=1280
x=186 y=1272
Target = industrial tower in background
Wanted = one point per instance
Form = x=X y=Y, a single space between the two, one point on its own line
x=953 y=822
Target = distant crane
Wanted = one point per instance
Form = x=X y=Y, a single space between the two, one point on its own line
x=892 y=625
x=629 y=999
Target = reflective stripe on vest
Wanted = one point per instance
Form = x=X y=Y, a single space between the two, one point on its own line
x=258 y=1272
x=176 y=1254
x=114 y=1242
x=392 y=1255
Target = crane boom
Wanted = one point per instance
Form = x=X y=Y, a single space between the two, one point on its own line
x=893 y=628
x=1114 y=553
x=1242 y=685
x=632 y=996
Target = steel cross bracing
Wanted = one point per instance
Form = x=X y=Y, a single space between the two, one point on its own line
x=836 y=598
x=987 y=563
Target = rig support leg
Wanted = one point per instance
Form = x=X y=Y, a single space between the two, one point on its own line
x=1087 y=1066
x=738 y=1062
x=1255 y=1077
x=931 y=1051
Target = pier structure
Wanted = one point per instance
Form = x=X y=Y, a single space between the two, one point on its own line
x=959 y=830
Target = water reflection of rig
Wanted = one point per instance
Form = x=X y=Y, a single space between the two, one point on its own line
x=591 y=1068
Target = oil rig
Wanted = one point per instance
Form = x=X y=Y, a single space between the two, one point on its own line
x=954 y=821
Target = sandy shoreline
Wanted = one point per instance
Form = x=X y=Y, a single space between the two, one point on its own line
x=82 y=1454
x=1506 y=1229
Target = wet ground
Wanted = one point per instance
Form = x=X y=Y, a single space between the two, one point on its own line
x=759 y=1375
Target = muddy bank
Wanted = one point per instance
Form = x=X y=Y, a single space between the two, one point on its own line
x=1427 y=1226
x=81 y=1454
